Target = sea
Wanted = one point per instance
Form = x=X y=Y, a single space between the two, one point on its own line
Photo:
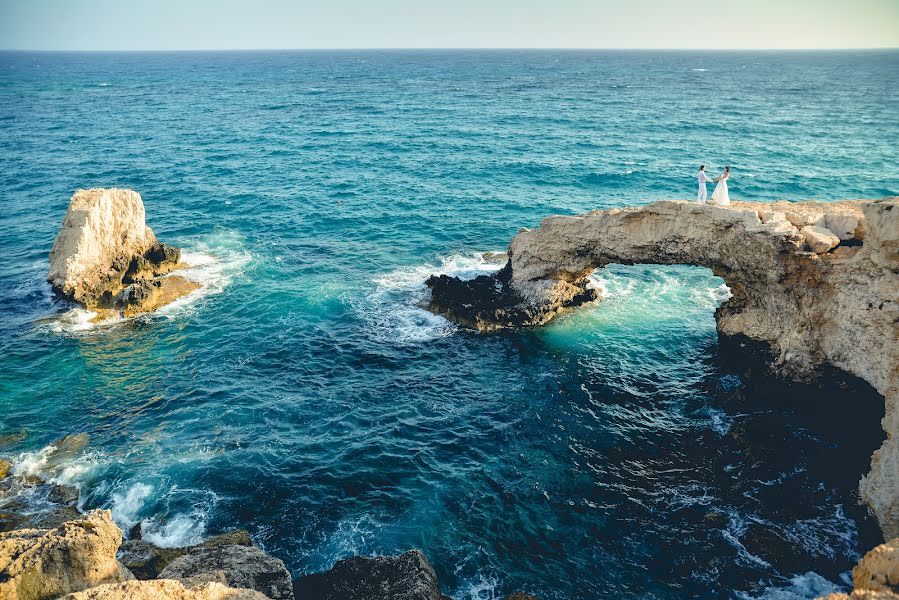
x=304 y=394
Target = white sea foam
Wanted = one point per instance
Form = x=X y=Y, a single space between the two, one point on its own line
x=393 y=311
x=180 y=530
x=127 y=506
x=482 y=589
x=801 y=587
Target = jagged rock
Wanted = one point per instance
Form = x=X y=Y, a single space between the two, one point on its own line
x=5 y=468
x=46 y=563
x=242 y=566
x=408 y=576
x=147 y=561
x=878 y=570
x=819 y=239
x=876 y=576
x=520 y=596
x=166 y=589
x=104 y=247
x=841 y=307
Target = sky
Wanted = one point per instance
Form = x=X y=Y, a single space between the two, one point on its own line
x=300 y=24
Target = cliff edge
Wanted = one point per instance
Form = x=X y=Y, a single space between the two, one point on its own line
x=817 y=281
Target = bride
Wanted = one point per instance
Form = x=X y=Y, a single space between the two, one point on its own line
x=720 y=196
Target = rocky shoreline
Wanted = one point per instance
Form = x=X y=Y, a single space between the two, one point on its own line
x=818 y=282
x=55 y=551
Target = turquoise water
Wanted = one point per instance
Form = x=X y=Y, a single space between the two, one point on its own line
x=304 y=395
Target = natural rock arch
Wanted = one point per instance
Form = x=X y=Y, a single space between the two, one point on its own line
x=817 y=281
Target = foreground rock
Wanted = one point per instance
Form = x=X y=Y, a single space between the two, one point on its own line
x=817 y=281
x=147 y=561
x=408 y=576
x=166 y=589
x=47 y=563
x=876 y=576
x=106 y=258
x=241 y=566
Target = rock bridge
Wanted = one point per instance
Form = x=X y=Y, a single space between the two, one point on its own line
x=817 y=281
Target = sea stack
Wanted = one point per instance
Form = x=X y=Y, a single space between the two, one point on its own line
x=817 y=281
x=107 y=259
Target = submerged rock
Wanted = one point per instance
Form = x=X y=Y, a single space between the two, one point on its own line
x=241 y=566
x=47 y=563
x=837 y=304
x=166 y=589
x=105 y=248
x=408 y=576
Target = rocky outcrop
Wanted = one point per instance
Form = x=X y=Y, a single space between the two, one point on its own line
x=876 y=576
x=47 y=563
x=408 y=576
x=817 y=281
x=147 y=561
x=166 y=589
x=105 y=257
x=241 y=566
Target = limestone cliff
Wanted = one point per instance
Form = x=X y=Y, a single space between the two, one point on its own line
x=105 y=256
x=37 y=564
x=817 y=281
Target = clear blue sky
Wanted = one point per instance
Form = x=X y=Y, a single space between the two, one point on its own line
x=231 y=24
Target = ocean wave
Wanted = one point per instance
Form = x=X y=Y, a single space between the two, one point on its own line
x=394 y=311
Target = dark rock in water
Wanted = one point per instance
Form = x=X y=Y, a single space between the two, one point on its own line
x=520 y=596
x=63 y=494
x=138 y=293
x=146 y=560
x=9 y=439
x=11 y=520
x=160 y=254
x=408 y=576
x=242 y=566
x=488 y=302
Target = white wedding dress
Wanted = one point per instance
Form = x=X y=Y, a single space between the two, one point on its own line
x=720 y=196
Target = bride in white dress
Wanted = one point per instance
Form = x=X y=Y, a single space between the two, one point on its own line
x=720 y=196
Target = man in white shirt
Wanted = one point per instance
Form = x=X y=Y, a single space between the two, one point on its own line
x=703 y=179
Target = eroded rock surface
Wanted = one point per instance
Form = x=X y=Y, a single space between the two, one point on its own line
x=166 y=589
x=241 y=566
x=408 y=576
x=147 y=561
x=106 y=257
x=876 y=576
x=47 y=563
x=817 y=281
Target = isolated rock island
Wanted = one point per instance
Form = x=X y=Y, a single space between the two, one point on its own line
x=108 y=260
x=817 y=281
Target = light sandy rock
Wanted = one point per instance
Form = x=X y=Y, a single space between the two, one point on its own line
x=878 y=570
x=876 y=576
x=166 y=589
x=101 y=232
x=819 y=239
x=105 y=248
x=46 y=563
x=840 y=308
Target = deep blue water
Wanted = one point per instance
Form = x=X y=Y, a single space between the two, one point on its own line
x=305 y=396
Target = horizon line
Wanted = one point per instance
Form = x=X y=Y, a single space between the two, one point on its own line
x=464 y=48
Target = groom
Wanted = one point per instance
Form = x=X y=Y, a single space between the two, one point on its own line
x=703 y=179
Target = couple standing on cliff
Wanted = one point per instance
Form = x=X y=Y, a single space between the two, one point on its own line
x=719 y=196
